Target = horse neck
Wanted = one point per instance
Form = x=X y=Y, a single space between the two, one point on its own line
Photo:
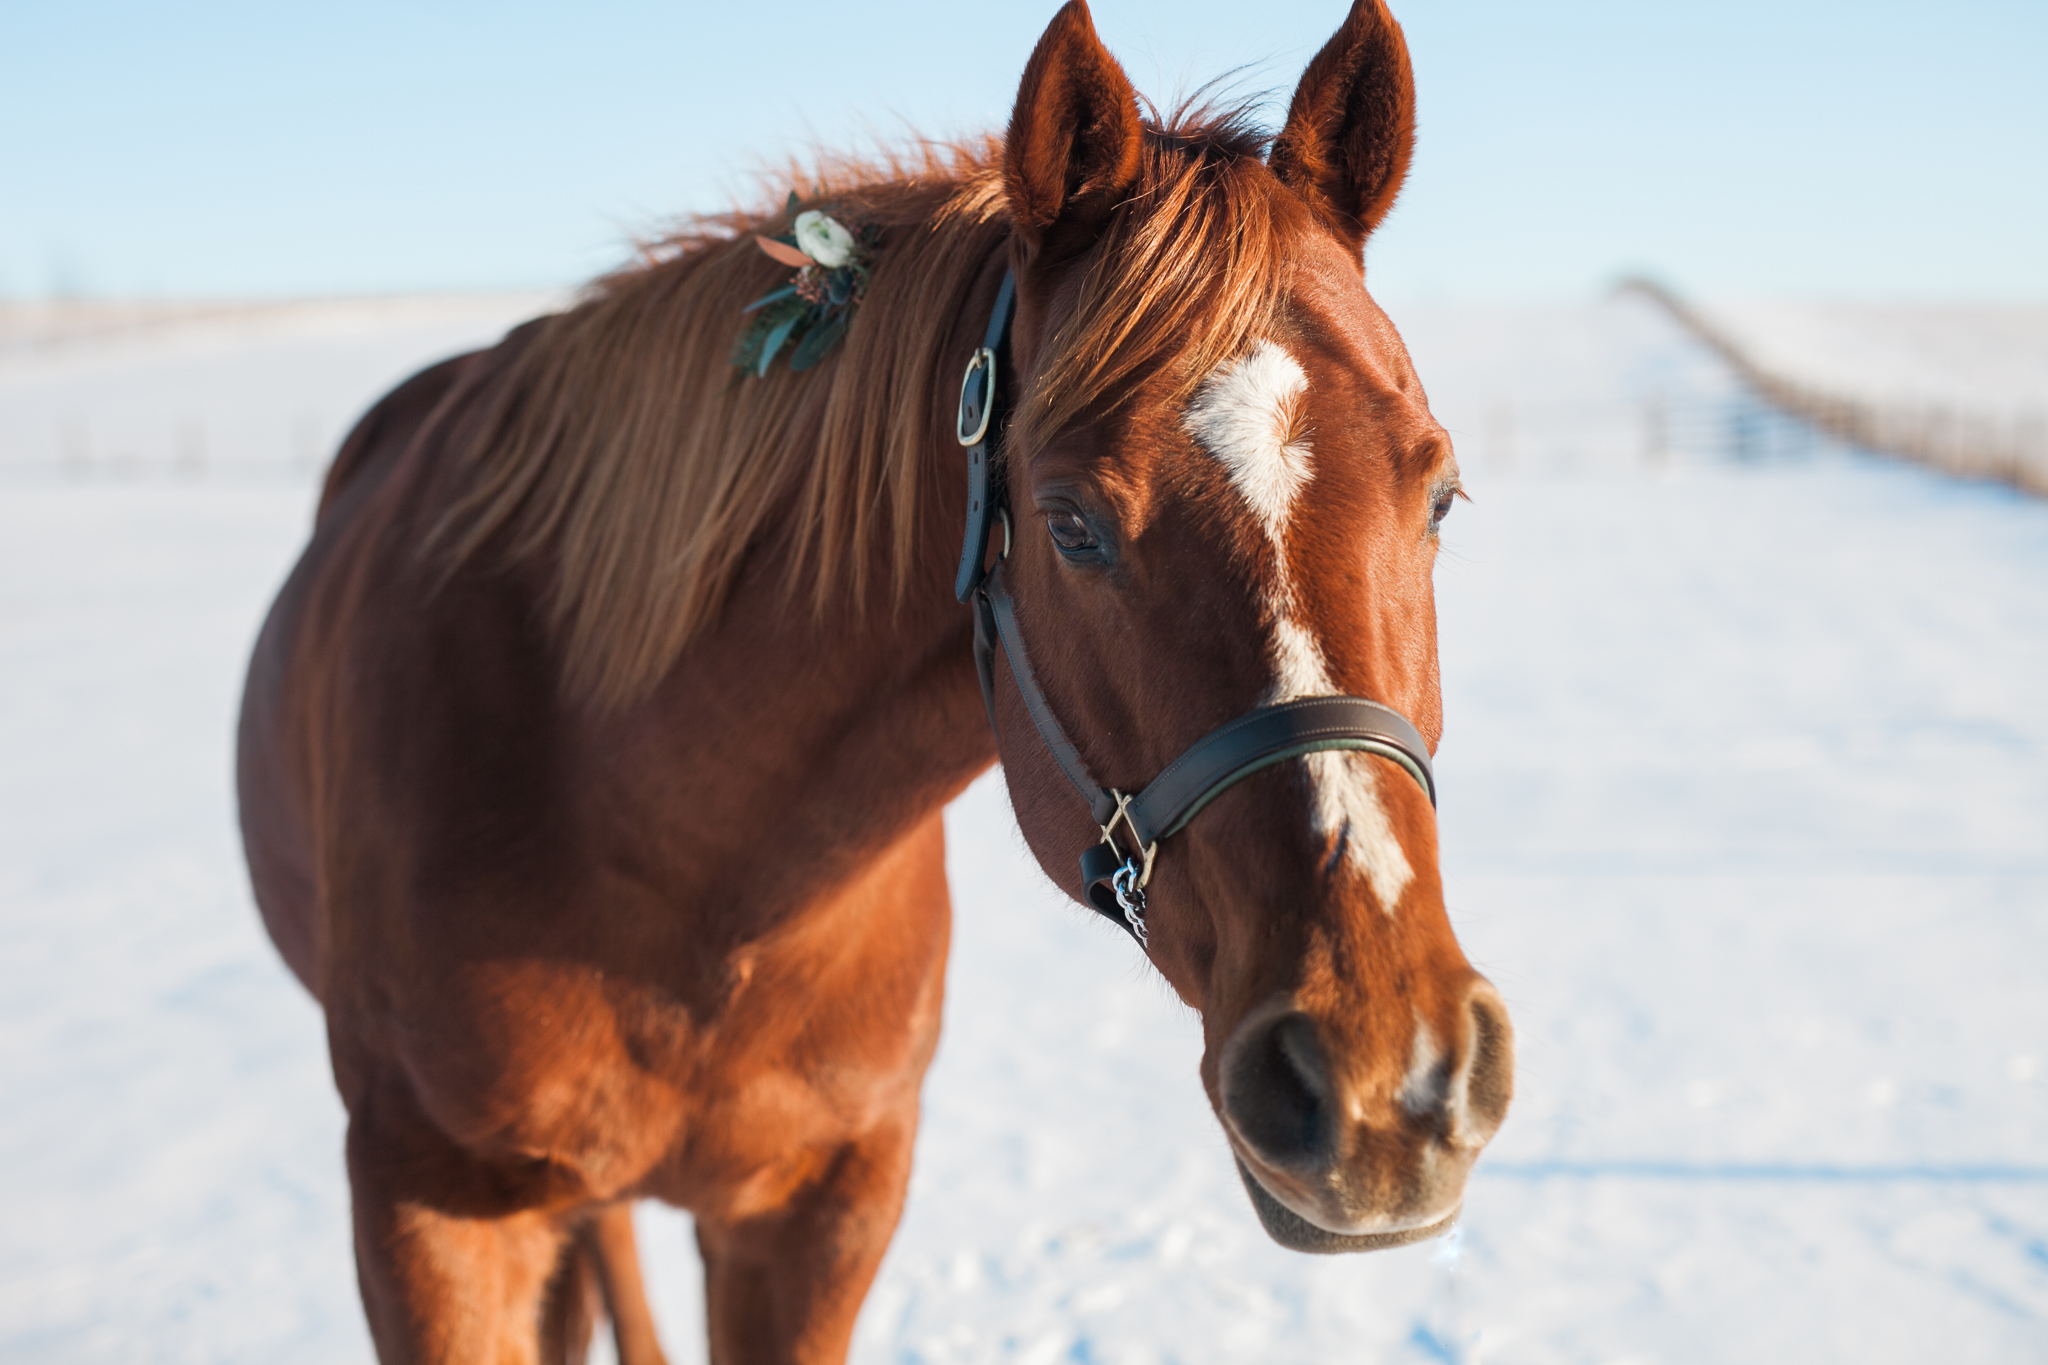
x=812 y=741
x=787 y=735
x=889 y=675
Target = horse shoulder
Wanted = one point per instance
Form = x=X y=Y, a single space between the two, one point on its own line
x=301 y=644
x=272 y=776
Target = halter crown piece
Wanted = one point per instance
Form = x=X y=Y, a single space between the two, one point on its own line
x=1114 y=874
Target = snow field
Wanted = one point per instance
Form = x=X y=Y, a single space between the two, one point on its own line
x=1745 y=810
x=216 y=392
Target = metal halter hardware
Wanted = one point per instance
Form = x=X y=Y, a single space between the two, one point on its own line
x=1129 y=880
x=976 y=406
x=1113 y=879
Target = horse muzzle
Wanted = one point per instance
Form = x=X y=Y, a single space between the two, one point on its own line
x=1296 y=1233
x=1343 y=1157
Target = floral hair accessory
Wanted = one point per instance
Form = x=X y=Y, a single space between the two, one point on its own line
x=812 y=310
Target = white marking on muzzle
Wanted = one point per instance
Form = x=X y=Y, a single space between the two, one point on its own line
x=1423 y=1090
x=1246 y=415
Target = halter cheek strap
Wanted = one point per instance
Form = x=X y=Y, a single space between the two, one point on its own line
x=1113 y=878
x=979 y=427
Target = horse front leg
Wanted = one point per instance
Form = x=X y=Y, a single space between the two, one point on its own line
x=612 y=1244
x=784 y=1287
x=454 y=1259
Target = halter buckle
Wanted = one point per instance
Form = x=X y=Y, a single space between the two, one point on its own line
x=970 y=424
x=1140 y=863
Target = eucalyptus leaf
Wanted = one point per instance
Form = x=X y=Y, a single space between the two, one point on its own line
x=794 y=205
x=747 y=349
x=816 y=343
x=774 y=341
x=787 y=291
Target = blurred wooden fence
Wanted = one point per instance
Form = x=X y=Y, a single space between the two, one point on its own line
x=2009 y=448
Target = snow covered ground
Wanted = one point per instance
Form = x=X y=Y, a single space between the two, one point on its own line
x=216 y=391
x=1745 y=810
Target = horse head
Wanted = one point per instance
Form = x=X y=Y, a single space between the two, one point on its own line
x=1227 y=488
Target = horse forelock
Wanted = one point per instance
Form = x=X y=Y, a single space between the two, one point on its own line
x=1191 y=270
x=627 y=458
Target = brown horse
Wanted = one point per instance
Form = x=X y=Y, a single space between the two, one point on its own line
x=592 y=759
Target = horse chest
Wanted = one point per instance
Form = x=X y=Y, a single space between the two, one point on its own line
x=683 y=1083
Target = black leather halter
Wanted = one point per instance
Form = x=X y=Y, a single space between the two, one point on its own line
x=1113 y=881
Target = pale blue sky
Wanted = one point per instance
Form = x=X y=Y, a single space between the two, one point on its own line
x=1800 y=148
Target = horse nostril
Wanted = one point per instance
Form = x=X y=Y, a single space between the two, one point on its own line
x=1488 y=1083
x=1276 y=1090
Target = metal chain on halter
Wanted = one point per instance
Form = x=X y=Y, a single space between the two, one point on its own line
x=1132 y=898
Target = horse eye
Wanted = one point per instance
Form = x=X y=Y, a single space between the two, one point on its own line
x=1069 y=532
x=1442 y=509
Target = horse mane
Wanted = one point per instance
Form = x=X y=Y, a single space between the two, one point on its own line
x=627 y=457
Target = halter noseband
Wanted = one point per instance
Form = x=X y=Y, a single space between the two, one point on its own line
x=1112 y=880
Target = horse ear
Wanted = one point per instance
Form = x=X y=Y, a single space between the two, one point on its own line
x=1072 y=151
x=1351 y=127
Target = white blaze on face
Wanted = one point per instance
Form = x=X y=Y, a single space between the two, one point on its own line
x=1247 y=416
x=1244 y=415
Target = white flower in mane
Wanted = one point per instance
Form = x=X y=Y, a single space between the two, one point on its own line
x=823 y=240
